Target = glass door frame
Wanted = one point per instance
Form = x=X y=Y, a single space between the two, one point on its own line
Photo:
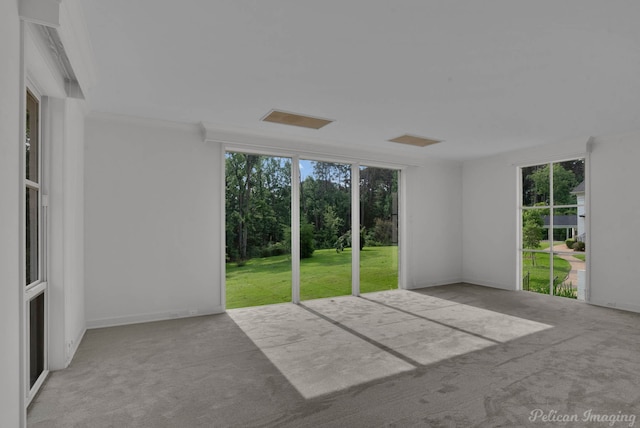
x=295 y=157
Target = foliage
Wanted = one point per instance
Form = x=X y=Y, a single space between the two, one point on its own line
x=569 y=243
x=383 y=231
x=307 y=244
x=258 y=205
x=274 y=249
x=332 y=225
x=532 y=231
x=345 y=240
x=566 y=176
x=264 y=281
x=579 y=246
x=538 y=270
x=565 y=289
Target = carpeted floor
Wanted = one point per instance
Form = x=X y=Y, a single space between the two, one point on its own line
x=456 y=355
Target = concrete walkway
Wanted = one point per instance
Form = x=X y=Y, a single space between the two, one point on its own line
x=576 y=264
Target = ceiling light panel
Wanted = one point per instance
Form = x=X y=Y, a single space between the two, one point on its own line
x=415 y=140
x=285 y=118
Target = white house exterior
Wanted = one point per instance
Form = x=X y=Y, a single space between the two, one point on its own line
x=579 y=192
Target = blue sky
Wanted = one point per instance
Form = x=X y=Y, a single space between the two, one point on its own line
x=306 y=169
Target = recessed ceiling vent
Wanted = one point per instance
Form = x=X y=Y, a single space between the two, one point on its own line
x=414 y=140
x=285 y=118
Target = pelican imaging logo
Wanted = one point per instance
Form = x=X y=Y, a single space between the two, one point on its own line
x=588 y=416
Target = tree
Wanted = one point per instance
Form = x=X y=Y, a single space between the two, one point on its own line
x=332 y=226
x=258 y=201
x=532 y=230
x=564 y=181
x=307 y=246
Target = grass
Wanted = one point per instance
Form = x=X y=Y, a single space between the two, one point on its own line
x=539 y=272
x=545 y=244
x=263 y=281
x=580 y=256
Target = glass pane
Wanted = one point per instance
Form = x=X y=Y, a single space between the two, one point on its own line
x=31 y=238
x=36 y=338
x=568 y=182
x=32 y=133
x=325 y=229
x=535 y=272
x=535 y=185
x=570 y=271
x=535 y=228
x=378 y=229
x=258 y=230
x=570 y=259
x=565 y=229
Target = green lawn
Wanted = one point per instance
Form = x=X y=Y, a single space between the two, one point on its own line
x=545 y=244
x=263 y=281
x=539 y=273
x=580 y=256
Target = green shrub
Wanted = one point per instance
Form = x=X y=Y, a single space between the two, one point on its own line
x=307 y=246
x=569 y=243
x=578 y=246
x=274 y=249
x=307 y=242
x=565 y=290
x=383 y=231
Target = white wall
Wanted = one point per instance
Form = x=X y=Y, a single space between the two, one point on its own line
x=489 y=223
x=63 y=122
x=490 y=215
x=74 y=227
x=434 y=224
x=490 y=211
x=11 y=405
x=615 y=222
x=152 y=221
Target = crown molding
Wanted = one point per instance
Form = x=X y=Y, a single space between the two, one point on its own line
x=247 y=139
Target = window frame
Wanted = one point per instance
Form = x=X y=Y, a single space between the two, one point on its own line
x=38 y=287
x=551 y=207
x=295 y=157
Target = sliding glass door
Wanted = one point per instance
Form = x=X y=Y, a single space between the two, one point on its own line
x=378 y=229
x=325 y=229
x=258 y=229
x=267 y=208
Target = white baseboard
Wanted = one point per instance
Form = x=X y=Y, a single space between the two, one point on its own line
x=434 y=283
x=74 y=348
x=491 y=284
x=615 y=305
x=157 y=316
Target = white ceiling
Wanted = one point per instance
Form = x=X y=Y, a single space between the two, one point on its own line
x=485 y=76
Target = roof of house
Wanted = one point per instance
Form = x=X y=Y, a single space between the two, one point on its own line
x=562 y=221
x=579 y=188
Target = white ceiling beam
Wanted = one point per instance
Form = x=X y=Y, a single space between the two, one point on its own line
x=42 y=12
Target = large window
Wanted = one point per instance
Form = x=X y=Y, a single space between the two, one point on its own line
x=258 y=230
x=553 y=234
x=35 y=285
x=325 y=229
x=378 y=229
x=346 y=236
